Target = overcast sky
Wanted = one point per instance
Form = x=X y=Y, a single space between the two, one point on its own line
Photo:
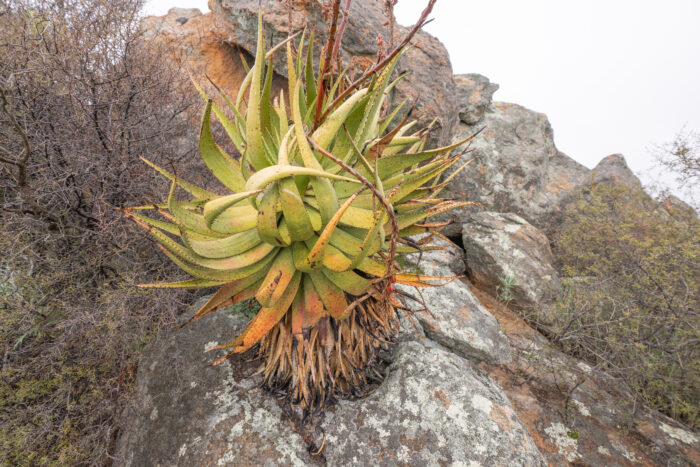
x=611 y=75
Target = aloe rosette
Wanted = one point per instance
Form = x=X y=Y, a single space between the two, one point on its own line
x=322 y=199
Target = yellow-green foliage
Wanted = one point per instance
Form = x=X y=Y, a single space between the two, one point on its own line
x=631 y=300
x=324 y=188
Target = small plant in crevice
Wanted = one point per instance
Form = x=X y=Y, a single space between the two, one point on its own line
x=505 y=288
x=327 y=193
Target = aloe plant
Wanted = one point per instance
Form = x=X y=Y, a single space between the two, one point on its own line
x=324 y=196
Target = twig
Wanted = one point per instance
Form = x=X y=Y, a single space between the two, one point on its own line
x=341 y=31
x=21 y=164
x=330 y=46
x=341 y=97
x=387 y=206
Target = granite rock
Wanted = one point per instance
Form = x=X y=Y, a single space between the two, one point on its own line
x=502 y=247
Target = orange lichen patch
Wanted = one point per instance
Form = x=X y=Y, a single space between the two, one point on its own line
x=444 y=400
x=502 y=415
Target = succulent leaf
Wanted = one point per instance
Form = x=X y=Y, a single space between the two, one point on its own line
x=310 y=225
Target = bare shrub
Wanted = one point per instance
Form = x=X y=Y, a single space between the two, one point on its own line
x=81 y=99
x=681 y=158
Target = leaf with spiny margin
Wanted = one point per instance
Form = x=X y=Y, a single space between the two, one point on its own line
x=224 y=295
x=188 y=284
x=189 y=219
x=248 y=78
x=172 y=229
x=323 y=189
x=348 y=281
x=264 y=177
x=300 y=251
x=221 y=165
x=224 y=276
x=240 y=261
x=267 y=216
x=254 y=153
x=264 y=320
x=194 y=190
x=407 y=220
x=369 y=125
x=235 y=219
x=327 y=131
x=214 y=208
x=265 y=113
x=231 y=128
x=310 y=81
x=316 y=252
x=225 y=247
x=293 y=209
x=313 y=306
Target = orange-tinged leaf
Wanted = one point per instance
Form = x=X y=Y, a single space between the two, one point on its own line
x=313 y=306
x=332 y=297
x=267 y=318
x=224 y=294
x=277 y=279
x=316 y=252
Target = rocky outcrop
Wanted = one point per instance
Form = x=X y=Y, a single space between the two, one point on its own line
x=596 y=427
x=433 y=408
x=676 y=207
x=451 y=315
x=474 y=94
x=507 y=256
x=196 y=42
x=516 y=167
x=613 y=170
x=212 y=44
x=187 y=414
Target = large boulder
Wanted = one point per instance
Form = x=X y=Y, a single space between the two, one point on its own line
x=613 y=170
x=433 y=408
x=196 y=42
x=516 y=166
x=187 y=414
x=429 y=83
x=510 y=258
x=451 y=315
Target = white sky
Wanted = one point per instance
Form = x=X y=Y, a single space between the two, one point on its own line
x=611 y=75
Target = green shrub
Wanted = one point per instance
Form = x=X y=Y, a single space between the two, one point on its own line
x=630 y=303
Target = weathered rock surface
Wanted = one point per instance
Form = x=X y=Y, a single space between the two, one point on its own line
x=429 y=83
x=474 y=94
x=434 y=408
x=613 y=169
x=189 y=414
x=502 y=246
x=597 y=427
x=516 y=167
x=452 y=315
x=197 y=43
